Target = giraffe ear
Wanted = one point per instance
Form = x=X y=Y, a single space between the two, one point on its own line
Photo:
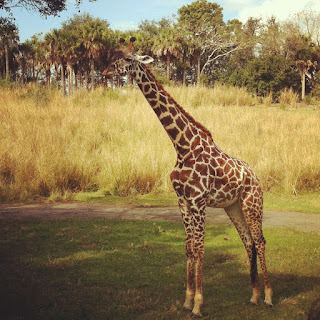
x=144 y=59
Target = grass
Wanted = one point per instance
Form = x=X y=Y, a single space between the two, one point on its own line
x=111 y=141
x=106 y=269
x=308 y=203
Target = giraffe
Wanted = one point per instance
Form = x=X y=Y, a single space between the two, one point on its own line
x=203 y=176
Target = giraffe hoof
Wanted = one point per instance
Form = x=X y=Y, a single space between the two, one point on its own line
x=254 y=301
x=269 y=305
x=196 y=315
x=186 y=308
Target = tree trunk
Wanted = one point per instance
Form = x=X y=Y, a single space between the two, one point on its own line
x=63 y=79
x=184 y=75
x=33 y=71
x=48 y=76
x=57 y=74
x=92 y=74
x=23 y=73
x=80 y=78
x=86 y=79
x=303 y=83
x=6 y=51
x=168 y=66
x=70 y=80
x=198 y=70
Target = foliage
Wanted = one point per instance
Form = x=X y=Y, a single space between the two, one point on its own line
x=269 y=74
x=45 y=8
x=8 y=38
x=195 y=44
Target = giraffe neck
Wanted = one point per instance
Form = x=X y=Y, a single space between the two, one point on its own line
x=184 y=132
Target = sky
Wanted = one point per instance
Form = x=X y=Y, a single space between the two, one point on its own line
x=127 y=14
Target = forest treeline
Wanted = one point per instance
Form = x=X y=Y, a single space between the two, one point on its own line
x=195 y=46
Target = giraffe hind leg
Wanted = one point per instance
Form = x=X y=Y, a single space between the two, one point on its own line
x=236 y=216
x=253 y=217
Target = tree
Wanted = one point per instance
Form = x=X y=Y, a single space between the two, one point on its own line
x=23 y=57
x=44 y=7
x=271 y=38
x=208 y=37
x=309 y=23
x=305 y=46
x=167 y=44
x=271 y=74
x=9 y=37
x=94 y=36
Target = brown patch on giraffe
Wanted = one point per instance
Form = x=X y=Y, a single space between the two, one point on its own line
x=157 y=110
x=174 y=175
x=151 y=95
x=190 y=192
x=189 y=163
x=197 y=152
x=146 y=88
x=221 y=182
x=153 y=104
x=180 y=123
x=232 y=177
x=184 y=175
x=166 y=121
x=189 y=134
x=221 y=161
x=163 y=99
x=219 y=172
x=173 y=133
x=173 y=111
x=202 y=169
x=163 y=108
x=195 y=143
x=227 y=168
x=183 y=142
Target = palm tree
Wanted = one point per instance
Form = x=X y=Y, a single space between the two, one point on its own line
x=166 y=44
x=93 y=38
x=9 y=37
x=57 y=46
x=51 y=41
x=23 y=57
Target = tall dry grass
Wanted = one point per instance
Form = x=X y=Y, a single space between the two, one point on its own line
x=111 y=140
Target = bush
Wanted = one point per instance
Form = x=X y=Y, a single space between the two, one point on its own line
x=289 y=97
x=268 y=74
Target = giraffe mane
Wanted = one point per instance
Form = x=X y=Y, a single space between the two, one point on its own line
x=183 y=111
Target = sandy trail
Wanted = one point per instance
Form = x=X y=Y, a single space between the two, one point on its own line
x=298 y=220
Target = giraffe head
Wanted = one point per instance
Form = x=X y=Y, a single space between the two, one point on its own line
x=123 y=61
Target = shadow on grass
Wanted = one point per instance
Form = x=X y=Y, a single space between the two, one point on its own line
x=102 y=269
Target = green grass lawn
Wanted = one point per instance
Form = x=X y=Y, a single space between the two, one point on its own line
x=308 y=203
x=106 y=269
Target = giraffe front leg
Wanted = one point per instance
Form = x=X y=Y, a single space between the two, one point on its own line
x=188 y=225
x=198 y=215
x=198 y=298
x=190 y=284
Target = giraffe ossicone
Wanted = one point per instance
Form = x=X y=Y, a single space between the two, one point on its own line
x=203 y=176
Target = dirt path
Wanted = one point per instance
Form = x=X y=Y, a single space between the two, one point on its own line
x=303 y=221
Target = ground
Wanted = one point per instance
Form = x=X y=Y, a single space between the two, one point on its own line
x=302 y=221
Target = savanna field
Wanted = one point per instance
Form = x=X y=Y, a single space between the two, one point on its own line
x=111 y=141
